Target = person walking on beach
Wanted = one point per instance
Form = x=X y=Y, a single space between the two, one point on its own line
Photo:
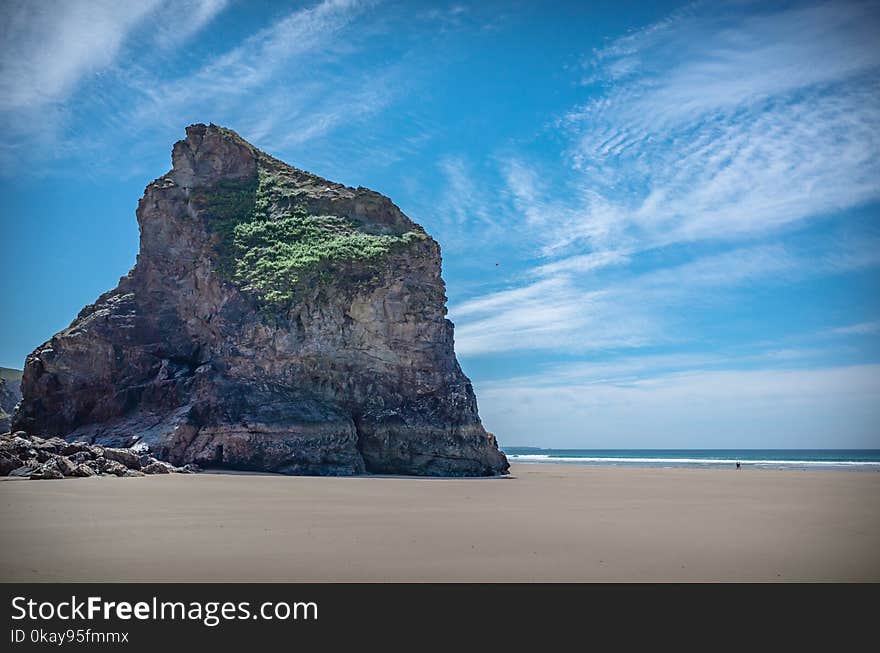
x=738 y=465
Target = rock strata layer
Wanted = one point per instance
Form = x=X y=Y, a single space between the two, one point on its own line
x=273 y=321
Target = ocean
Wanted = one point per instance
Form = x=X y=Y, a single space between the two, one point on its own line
x=839 y=459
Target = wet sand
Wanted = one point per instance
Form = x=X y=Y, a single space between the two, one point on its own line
x=544 y=523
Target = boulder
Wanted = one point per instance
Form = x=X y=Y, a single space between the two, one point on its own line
x=83 y=471
x=72 y=448
x=45 y=454
x=81 y=456
x=25 y=470
x=21 y=445
x=64 y=465
x=128 y=458
x=8 y=462
x=156 y=468
x=47 y=471
x=107 y=466
x=55 y=444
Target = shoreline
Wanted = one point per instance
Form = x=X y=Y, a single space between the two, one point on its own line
x=819 y=469
x=544 y=523
x=849 y=468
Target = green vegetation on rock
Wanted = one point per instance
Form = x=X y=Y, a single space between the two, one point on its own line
x=270 y=244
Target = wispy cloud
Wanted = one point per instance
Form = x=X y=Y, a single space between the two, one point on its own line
x=571 y=311
x=583 y=263
x=463 y=200
x=713 y=126
x=723 y=127
x=173 y=31
x=258 y=58
x=630 y=369
x=253 y=69
x=283 y=85
x=60 y=63
x=808 y=407
x=710 y=130
x=554 y=314
x=860 y=329
x=49 y=47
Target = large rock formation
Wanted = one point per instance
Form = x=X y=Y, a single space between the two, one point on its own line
x=273 y=321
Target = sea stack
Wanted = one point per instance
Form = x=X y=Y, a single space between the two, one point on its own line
x=274 y=321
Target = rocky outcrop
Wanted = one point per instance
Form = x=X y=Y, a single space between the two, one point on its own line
x=34 y=457
x=10 y=393
x=273 y=321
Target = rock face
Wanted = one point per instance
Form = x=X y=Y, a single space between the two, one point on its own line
x=273 y=321
x=10 y=393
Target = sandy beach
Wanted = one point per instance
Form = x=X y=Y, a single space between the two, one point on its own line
x=544 y=523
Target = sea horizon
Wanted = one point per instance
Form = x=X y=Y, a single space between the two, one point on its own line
x=793 y=459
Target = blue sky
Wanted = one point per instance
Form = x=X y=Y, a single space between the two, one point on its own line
x=660 y=221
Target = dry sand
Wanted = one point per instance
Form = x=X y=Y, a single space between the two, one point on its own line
x=545 y=523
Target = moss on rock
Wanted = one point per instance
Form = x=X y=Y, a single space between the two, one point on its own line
x=270 y=244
